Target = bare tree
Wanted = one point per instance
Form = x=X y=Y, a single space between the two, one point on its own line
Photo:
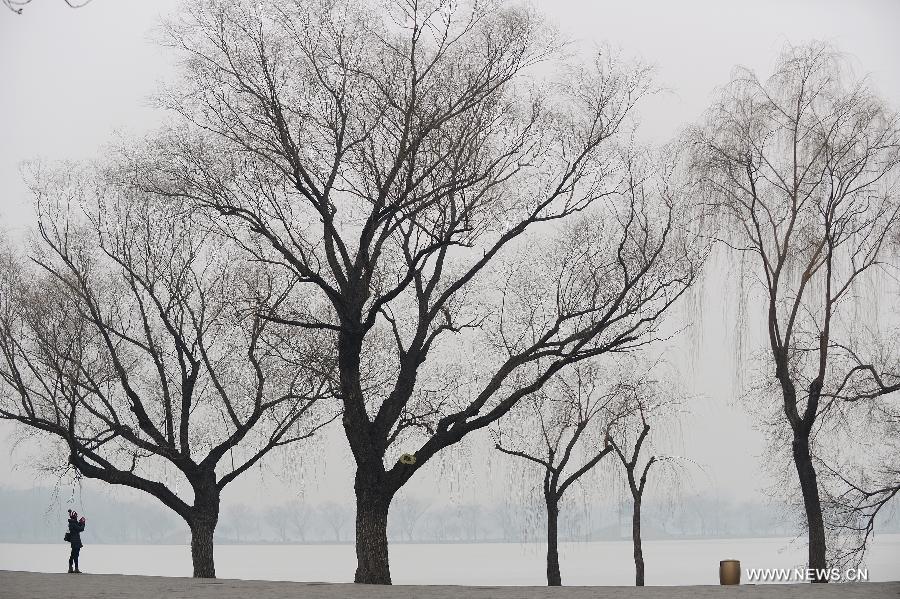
x=408 y=511
x=571 y=418
x=278 y=518
x=804 y=169
x=298 y=514
x=392 y=158
x=238 y=519
x=138 y=340
x=630 y=440
x=336 y=515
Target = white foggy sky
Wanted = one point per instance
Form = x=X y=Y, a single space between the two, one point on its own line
x=70 y=78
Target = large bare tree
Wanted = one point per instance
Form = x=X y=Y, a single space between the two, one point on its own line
x=138 y=339
x=804 y=168
x=394 y=158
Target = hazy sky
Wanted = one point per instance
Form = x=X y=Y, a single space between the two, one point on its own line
x=71 y=78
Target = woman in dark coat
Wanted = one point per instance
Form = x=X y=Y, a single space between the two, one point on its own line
x=76 y=527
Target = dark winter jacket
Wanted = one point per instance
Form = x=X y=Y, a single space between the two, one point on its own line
x=75 y=529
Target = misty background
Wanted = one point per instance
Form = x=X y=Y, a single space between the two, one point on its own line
x=73 y=79
x=411 y=520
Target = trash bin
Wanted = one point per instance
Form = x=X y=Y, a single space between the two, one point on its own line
x=730 y=571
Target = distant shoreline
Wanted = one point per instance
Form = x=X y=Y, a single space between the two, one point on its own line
x=229 y=542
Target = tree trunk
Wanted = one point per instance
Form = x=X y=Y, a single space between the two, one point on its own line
x=636 y=539
x=372 y=503
x=810 y=489
x=204 y=517
x=554 y=578
x=202 y=549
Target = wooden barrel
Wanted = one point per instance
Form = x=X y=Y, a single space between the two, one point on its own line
x=730 y=571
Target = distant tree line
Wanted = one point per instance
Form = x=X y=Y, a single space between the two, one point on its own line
x=414 y=520
x=39 y=517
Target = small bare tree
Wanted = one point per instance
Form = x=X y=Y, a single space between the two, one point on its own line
x=630 y=438
x=278 y=518
x=140 y=341
x=336 y=516
x=804 y=169
x=299 y=513
x=565 y=429
x=408 y=512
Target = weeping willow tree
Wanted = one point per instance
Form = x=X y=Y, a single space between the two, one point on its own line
x=803 y=169
x=139 y=341
x=391 y=159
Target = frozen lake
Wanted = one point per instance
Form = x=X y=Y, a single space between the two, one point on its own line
x=671 y=562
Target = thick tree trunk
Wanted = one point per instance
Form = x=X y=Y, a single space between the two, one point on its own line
x=811 y=503
x=372 y=504
x=202 y=549
x=554 y=578
x=636 y=539
x=204 y=517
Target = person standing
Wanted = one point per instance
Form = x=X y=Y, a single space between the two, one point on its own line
x=76 y=527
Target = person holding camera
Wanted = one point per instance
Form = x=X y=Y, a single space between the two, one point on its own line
x=76 y=527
